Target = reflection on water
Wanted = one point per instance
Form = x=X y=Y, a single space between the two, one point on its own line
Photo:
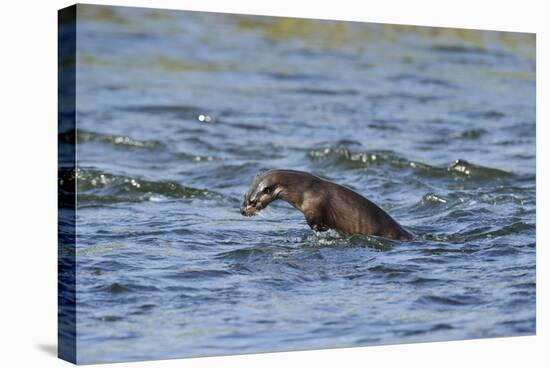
x=177 y=111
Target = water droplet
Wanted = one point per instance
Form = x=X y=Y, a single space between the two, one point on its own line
x=205 y=118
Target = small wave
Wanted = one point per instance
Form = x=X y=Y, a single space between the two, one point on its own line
x=471 y=50
x=344 y=157
x=474 y=171
x=434 y=198
x=143 y=309
x=103 y=188
x=126 y=142
x=511 y=229
x=453 y=300
x=459 y=49
x=407 y=97
x=476 y=233
x=454 y=202
x=500 y=251
x=324 y=92
x=194 y=157
x=447 y=250
x=117 y=288
x=485 y=114
x=109 y=318
x=469 y=134
x=425 y=281
x=243 y=254
x=301 y=77
x=390 y=271
x=178 y=111
x=422 y=80
x=84 y=136
x=521 y=326
x=334 y=239
x=199 y=274
x=434 y=328
x=384 y=126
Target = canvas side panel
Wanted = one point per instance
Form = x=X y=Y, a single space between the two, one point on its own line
x=67 y=184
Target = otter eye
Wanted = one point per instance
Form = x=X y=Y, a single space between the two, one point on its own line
x=267 y=190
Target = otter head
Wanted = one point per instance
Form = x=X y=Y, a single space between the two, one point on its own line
x=263 y=190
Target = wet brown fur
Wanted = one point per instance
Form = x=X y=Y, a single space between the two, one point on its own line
x=325 y=205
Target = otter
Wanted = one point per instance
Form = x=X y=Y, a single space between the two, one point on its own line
x=325 y=205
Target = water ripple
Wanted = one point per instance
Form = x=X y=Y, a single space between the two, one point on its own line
x=99 y=187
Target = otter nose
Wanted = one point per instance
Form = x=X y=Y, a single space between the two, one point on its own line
x=243 y=207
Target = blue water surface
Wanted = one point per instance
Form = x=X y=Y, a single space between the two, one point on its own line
x=178 y=111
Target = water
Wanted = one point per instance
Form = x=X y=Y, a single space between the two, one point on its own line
x=177 y=112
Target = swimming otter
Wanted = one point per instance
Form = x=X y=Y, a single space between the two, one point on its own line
x=325 y=205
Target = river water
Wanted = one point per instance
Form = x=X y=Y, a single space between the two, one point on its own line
x=178 y=111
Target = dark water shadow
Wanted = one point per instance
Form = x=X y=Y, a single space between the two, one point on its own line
x=50 y=349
